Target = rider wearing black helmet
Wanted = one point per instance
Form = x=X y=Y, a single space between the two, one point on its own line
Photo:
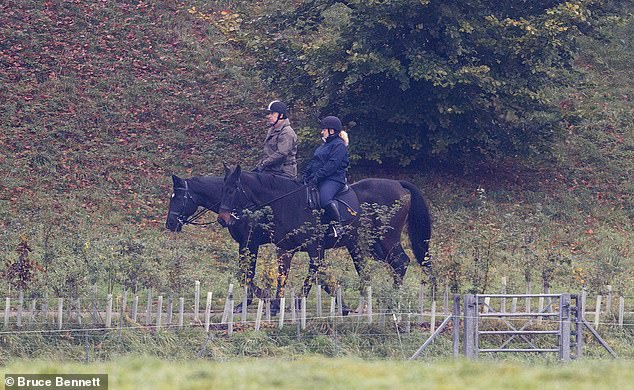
x=327 y=169
x=280 y=145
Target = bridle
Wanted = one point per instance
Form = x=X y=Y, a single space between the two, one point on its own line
x=192 y=218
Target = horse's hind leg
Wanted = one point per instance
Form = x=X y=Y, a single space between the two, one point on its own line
x=398 y=260
x=315 y=259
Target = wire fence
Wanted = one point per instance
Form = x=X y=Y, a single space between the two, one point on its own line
x=23 y=315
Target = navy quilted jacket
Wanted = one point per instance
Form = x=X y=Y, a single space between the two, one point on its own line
x=330 y=161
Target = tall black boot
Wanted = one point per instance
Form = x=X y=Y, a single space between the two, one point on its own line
x=332 y=214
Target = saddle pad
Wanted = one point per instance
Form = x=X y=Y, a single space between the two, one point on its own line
x=348 y=204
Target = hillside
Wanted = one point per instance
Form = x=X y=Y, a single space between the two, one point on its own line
x=103 y=101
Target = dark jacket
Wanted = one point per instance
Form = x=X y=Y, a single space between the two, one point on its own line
x=280 y=148
x=330 y=161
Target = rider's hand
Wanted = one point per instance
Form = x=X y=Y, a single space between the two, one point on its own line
x=258 y=169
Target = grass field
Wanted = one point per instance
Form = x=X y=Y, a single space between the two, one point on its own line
x=336 y=373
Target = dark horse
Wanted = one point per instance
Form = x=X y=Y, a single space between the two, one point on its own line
x=290 y=217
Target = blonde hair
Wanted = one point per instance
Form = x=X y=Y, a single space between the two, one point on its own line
x=344 y=136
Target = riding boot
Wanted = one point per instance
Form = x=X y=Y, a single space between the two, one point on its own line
x=332 y=214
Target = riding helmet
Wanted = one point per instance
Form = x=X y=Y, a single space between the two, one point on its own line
x=277 y=106
x=331 y=122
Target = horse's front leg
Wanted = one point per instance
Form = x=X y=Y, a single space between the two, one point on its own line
x=247 y=264
x=284 y=259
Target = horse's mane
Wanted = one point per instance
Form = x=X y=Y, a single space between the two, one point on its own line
x=274 y=183
x=205 y=179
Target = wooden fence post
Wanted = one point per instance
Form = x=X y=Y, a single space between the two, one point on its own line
x=181 y=312
x=282 y=310
x=621 y=310
x=369 y=293
x=196 y=299
x=60 y=312
x=135 y=308
x=230 y=315
x=469 y=325
x=124 y=302
x=258 y=316
x=148 y=311
x=225 y=312
x=597 y=312
x=303 y=312
x=333 y=307
x=170 y=304
x=579 y=325
x=456 y=326
x=564 y=318
x=7 y=311
x=159 y=312
x=318 y=293
x=108 y=311
x=487 y=304
x=208 y=311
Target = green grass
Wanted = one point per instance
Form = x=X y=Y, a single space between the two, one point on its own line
x=336 y=373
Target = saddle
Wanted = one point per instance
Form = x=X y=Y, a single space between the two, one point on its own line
x=346 y=198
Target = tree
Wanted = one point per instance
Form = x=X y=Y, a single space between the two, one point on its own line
x=451 y=79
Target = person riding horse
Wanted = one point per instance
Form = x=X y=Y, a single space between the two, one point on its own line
x=280 y=145
x=327 y=169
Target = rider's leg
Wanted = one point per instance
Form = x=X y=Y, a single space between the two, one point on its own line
x=327 y=191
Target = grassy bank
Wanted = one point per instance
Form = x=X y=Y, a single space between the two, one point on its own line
x=319 y=372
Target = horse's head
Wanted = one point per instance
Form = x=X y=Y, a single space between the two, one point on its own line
x=182 y=205
x=231 y=189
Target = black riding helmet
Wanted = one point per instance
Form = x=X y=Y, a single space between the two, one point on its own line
x=331 y=122
x=279 y=107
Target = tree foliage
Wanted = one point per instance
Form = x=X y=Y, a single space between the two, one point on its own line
x=443 y=78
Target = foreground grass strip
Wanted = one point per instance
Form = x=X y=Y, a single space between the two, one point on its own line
x=316 y=372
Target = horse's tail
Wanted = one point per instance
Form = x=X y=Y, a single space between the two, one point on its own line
x=419 y=224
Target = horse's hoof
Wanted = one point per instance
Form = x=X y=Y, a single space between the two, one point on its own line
x=237 y=309
x=275 y=307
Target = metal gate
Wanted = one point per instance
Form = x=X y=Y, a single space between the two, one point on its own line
x=544 y=331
